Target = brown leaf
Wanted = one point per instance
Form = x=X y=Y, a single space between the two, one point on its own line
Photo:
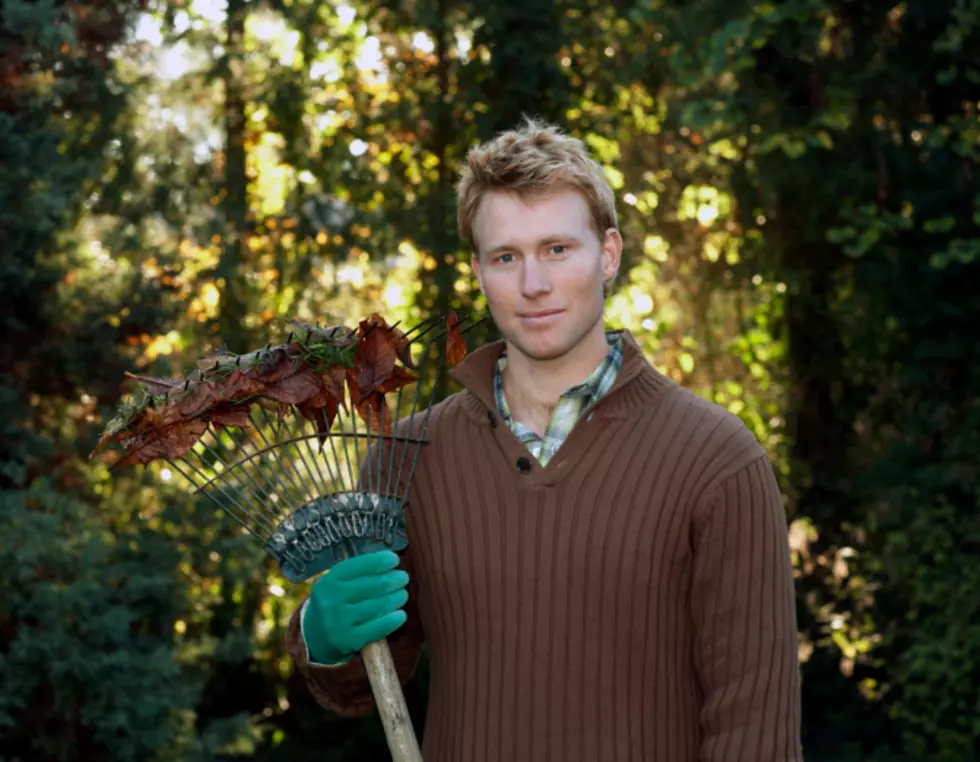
x=333 y=382
x=296 y=389
x=403 y=347
x=230 y=415
x=106 y=437
x=455 y=346
x=374 y=358
x=378 y=407
x=274 y=364
x=352 y=388
x=238 y=386
x=322 y=416
x=331 y=411
x=158 y=417
x=399 y=378
x=199 y=397
x=170 y=442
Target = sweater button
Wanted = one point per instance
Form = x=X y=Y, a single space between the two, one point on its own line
x=523 y=465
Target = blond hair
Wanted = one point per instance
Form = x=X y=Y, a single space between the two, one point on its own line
x=532 y=161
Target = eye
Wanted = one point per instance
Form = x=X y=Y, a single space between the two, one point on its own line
x=558 y=248
x=501 y=258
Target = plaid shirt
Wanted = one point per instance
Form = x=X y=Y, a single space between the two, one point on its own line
x=572 y=403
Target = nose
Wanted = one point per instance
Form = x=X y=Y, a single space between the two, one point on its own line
x=534 y=280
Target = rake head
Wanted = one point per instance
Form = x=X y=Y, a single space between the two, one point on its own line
x=309 y=482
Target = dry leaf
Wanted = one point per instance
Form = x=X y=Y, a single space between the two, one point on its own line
x=333 y=382
x=169 y=443
x=374 y=358
x=223 y=387
x=230 y=415
x=297 y=389
x=378 y=407
x=455 y=346
x=399 y=378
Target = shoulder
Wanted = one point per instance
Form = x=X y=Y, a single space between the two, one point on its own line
x=715 y=442
x=428 y=422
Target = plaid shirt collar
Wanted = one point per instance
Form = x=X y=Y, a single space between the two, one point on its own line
x=570 y=406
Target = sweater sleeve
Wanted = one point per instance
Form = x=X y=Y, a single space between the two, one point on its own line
x=344 y=689
x=743 y=606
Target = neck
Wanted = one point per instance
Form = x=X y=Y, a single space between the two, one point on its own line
x=534 y=386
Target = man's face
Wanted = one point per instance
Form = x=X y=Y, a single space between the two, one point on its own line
x=541 y=266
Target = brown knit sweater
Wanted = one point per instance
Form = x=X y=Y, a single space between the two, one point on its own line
x=632 y=601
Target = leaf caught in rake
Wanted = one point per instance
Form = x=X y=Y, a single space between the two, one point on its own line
x=273 y=438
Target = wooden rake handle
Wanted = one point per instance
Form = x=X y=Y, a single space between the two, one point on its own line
x=390 y=699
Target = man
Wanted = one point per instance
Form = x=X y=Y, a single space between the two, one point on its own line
x=597 y=558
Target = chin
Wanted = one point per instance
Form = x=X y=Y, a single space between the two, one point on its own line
x=542 y=348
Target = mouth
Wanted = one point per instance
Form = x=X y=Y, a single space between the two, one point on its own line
x=539 y=316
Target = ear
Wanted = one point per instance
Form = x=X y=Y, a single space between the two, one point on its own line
x=612 y=251
x=475 y=264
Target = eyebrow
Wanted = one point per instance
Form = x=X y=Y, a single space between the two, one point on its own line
x=540 y=242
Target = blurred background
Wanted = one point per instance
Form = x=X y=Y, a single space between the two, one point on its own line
x=799 y=191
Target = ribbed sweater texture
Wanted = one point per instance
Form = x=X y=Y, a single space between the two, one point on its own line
x=632 y=601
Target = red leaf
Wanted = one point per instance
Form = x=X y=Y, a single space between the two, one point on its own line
x=455 y=346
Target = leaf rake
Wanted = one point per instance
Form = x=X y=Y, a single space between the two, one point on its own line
x=270 y=439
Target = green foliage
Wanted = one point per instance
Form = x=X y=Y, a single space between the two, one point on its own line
x=856 y=183
x=91 y=669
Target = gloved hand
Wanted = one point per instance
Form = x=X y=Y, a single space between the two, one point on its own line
x=356 y=602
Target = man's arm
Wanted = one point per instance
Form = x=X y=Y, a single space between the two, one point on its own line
x=344 y=689
x=744 y=611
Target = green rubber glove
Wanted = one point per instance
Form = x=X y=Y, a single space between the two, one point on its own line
x=356 y=602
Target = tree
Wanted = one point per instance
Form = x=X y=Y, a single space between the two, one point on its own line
x=856 y=186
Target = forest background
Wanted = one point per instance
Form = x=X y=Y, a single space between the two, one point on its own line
x=799 y=189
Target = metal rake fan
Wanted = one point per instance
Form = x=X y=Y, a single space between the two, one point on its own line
x=270 y=438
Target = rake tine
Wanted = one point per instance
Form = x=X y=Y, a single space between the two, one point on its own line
x=258 y=496
x=353 y=438
x=336 y=457
x=357 y=450
x=425 y=323
x=213 y=499
x=391 y=460
x=270 y=448
x=424 y=327
x=462 y=331
x=300 y=430
x=425 y=426
x=313 y=454
x=268 y=505
x=380 y=446
x=289 y=467
x=415 y=405
x=334 y=481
